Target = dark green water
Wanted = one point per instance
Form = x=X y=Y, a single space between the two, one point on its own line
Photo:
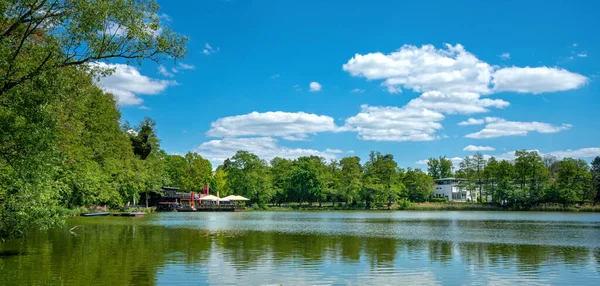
x=297 y=248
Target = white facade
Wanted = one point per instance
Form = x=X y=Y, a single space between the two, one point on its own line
x=449 y=189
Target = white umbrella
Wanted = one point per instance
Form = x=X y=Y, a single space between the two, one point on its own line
x=240 y=198
x=209 y=198
x=224 y=200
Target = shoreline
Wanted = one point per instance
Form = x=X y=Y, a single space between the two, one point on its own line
x=434 y=207
x=428 y=206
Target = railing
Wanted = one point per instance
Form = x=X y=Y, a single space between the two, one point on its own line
x=208 y=207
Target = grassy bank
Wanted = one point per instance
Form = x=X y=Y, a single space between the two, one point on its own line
x=431 y=206
x=450 y=206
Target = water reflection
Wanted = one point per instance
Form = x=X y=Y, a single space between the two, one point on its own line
x=140 y=252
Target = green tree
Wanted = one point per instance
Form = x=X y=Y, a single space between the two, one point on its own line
x=531 y=176
x=479 y=166
x=381 y=180
x=467 y=171
x=218 y=183
x=419 y=185
x=595 y=170
x=197 y=173
x=175 y=166
x=330 y=177
x=551 y=163
x=281 y=170
x=573 y=181
x=58 y=141
x=248 y=175
x=490 y=184
x=503 y=178
x=350 y=179
x=439 y=168
x=38 y=37
x=305 y=180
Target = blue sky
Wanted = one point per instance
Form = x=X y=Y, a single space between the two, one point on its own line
x=393 y=76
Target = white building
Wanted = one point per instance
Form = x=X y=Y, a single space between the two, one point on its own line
x=450 y=189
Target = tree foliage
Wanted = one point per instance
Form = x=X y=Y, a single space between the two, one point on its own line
x=37 y=37
x=61 y=143
x=440 y=167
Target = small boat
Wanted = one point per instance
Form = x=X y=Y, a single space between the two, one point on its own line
x=96 y=214
x=136 y=214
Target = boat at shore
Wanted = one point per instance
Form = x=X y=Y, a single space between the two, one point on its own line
x=134 y=214
x=96 y=214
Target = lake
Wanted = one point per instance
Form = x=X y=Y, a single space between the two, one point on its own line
x=302 y=248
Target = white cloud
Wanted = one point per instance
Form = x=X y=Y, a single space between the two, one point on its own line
x=471 y=121
x=419 y=119
x=452 y=81
x=582 y=55
x=290 y=125
x=394 y=89
x=579 y=153
x=208 y=49
x=180 y=66
x=498 y=127
x=451 y=69
x=186 y=66
x=275 y=76
x=452 y=103
x=505 y=56
x=536 y=80
x=264 y=147
x=314 y=86
x=474 y=148
x=357 y=90
x=143 y=107
x=126 y=83
x=388 y=123
x=163 y=70
x=297 y=87
x=165 y=17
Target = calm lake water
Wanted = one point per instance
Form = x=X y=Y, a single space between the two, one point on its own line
x=298 y=248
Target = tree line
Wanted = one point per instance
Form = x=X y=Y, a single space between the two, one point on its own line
x=522 y=183
x=530 y=179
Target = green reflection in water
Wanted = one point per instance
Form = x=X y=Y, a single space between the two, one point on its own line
x=130 y=251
